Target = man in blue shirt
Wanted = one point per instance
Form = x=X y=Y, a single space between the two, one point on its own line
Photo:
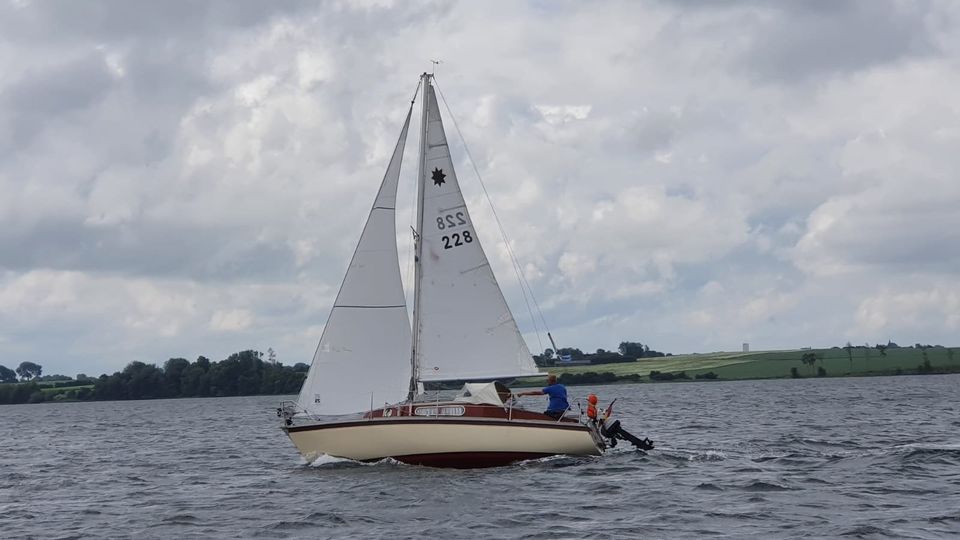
x=558 y=397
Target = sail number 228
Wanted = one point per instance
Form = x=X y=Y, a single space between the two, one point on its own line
x=456 y=239
x=451 y=221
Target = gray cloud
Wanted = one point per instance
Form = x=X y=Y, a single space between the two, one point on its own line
x=803 y=42
x=148 y=249
x=814 y=39
x=182 y=178
x=117 y=20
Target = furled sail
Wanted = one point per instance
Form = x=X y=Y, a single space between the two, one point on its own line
x=466 y=330
x=364 y=352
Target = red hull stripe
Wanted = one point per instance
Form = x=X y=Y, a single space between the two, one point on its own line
x=467 y=460
x=444 y=421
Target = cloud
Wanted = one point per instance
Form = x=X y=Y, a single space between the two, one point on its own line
x=916 y=309
x=802 y=41
x=181 y=179
x=231 y=321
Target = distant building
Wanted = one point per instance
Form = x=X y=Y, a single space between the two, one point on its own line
x=746 y=347
x=567 y=360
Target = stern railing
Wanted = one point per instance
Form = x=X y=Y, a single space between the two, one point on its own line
x=286 y=411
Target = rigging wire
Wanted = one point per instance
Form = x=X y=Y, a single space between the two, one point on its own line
x=408 y=281
x=518 y=270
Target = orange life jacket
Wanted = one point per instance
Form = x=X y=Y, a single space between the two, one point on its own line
x=592 y=406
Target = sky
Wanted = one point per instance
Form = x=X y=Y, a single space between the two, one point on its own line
x=190 y=178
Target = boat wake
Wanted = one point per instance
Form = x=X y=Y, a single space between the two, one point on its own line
x=557 y=461
x=329 y=461
x=325 y=461
x=679 y=454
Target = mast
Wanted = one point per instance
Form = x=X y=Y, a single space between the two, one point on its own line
x=418 y=252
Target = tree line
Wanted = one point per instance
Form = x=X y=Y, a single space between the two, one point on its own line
x=241 y=374
x=627 y=351
x=26 y=371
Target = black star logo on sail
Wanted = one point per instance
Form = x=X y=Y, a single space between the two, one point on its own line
x=438 y=177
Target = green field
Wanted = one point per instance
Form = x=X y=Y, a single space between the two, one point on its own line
x=688 y=363
x=49 y=390
x=776 y=364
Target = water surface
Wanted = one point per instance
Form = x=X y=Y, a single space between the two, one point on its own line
x=815 y=458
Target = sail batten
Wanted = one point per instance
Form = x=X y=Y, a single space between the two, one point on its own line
x=482 y=377
x=361 y=357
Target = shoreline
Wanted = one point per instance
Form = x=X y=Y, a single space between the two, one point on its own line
x=835 y=362
x=536 y=385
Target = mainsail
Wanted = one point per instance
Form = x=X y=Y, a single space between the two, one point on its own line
x=363 y=355
x=466 y=330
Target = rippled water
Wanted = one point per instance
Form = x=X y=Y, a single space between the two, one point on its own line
x=852 y=458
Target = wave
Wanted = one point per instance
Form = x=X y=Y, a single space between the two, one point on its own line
x=920 y=454
x=181 y=519
x=810 y=441
x=760 y=485
x=556 y=462
x=946 y=447
x=324 y=461
x=864 y=531
x=679 y=454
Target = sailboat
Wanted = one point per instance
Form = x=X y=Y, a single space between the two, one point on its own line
x=362 y=398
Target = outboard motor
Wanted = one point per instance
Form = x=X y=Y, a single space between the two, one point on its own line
x=615 y=432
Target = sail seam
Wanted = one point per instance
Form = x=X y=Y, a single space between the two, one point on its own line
x=384 y=208
x=475 y=377
x=474 y=268
x=371 y=307
x=457 y=191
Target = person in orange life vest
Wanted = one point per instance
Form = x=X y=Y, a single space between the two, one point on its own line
x=592 y=412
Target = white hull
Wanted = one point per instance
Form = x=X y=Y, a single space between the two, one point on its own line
x=461 y=442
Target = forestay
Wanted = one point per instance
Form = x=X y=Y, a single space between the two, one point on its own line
x=364 y=351
x=466 y=330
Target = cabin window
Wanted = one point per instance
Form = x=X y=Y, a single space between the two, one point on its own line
x=439 y=411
